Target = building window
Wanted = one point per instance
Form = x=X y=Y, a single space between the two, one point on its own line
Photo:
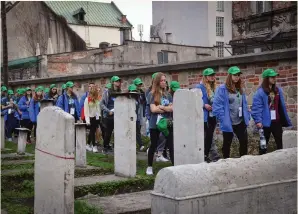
x=220 y=6
x=162 y=57
x=220 y=49
x=263 y=6
x=219 y=26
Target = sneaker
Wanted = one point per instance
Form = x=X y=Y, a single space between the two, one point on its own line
x=88 y=148
x=142 y=148
x=95 y=150
x=149 y=171
x=9 y=139
x=161 y=159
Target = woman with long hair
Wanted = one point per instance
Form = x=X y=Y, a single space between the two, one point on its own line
x=160 y=116
x=230 y=108
x=34 y=107
x=68 y=101
x=92 y=114
x=24 y=105
x=53 y=93
x=107 y=105
x=208 y=87
x=269 y=110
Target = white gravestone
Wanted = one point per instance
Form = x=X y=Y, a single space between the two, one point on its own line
x=2 y=132
x=81 y=144
x=289 y=139
x=54 y=162
x=22 y=139
x=46 y=103
x=188 y=127
x=125 y=136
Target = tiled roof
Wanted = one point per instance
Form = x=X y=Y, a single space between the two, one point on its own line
x=97 y=13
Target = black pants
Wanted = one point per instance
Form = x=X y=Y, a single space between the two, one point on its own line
x=10 y=125
x=26 y=123
x=209 y=128
x=100 y=123
x=34 y=129
x=92 y=132
x=154 y=135
x=109 y=127
x=241 y=133
x=276 y=130
x=139 y=136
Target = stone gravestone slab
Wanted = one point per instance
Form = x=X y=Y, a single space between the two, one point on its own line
x=2 y=132
x=81 y=144
x=289 y=139
x=54 y=162
x=46 y=102
x=22 y=139
x=188 y=127
x=125 y=136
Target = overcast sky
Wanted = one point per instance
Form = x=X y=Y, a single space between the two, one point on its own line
x=138 y=12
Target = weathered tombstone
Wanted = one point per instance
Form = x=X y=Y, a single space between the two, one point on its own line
x=80 y=144
x=188 y=127
x=46 y=102
x=22 y=139
x=54 y=162
x=125 y=136
x=2 y=132
x=289 y=139
x=250 y=184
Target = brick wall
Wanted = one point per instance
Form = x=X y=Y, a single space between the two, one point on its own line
x=189 y=74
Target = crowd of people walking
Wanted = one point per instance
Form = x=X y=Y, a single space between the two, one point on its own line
x=226 y=104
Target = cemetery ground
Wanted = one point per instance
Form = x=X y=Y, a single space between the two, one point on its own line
x=94 y=185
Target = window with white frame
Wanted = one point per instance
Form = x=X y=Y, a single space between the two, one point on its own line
x=220 y=49
x=220 y=6
x=219 y=26
x=258 y=7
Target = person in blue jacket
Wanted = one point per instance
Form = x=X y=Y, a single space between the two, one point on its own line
x=24 y=104
x=68 y=101
x=269 y=110
x=91 y=84
x=34 y=107
x=230 y=108
x=52 y=93
x=208 y=87
x=107 y=106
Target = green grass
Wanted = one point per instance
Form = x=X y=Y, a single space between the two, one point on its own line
x=82 y=207
x=30 y=148
x=17 y=166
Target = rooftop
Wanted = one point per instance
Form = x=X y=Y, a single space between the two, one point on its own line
x=97 y=13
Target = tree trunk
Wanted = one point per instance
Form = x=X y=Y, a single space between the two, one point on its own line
x=4 y=45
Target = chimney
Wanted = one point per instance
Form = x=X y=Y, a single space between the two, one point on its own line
x=169 y=38
x=123 y=19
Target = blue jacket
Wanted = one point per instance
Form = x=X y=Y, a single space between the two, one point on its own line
x=205 y=100
x=260 y=109
x=221 y=110
x=24 y=108
x=4 y=102
x=34 y=110
x=62 y=102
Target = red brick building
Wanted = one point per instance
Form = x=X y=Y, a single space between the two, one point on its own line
x=259 y=26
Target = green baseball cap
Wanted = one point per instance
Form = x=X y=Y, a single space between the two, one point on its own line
x=28 y=89
x=137 y=81
x=208 y=72
x=47 y=90
x=115 y=79
x=174 y=85
x=21 y=91
x=3 y=88
x=10 y=92
x=154 y=75
x=162 y=126
x=109 y=85
x=269 y=73
x=69 y=84
x=132 y=87
x=52 y=86
x=64 y=86
x=39 y=88
x=234 y=70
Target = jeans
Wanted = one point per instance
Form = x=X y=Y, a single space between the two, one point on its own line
x=276 y=130
x=154 y=136
x=241 y=133
x=214 y=152
x=109 y=127
x=161 y=143
x=93 y=126
x=11 y=124
x=138 y=134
